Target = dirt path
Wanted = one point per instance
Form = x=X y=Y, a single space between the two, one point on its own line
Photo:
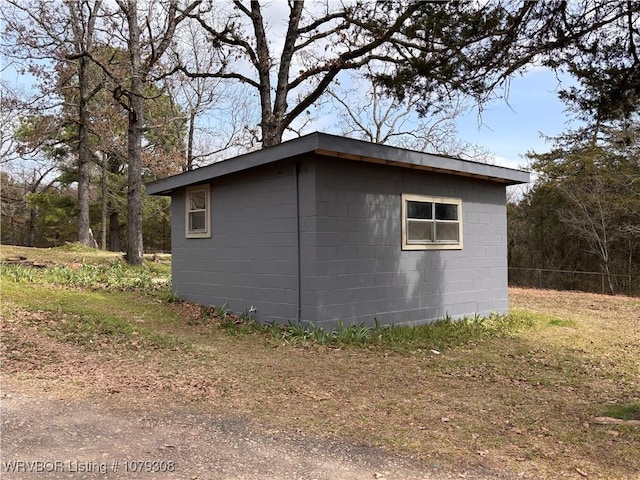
x=49 y=436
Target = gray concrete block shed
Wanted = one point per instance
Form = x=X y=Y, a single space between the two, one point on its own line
x=324 y=228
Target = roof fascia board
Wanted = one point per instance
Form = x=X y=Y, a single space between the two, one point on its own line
x=341 y=147
x=232 y=165
x=371 y=152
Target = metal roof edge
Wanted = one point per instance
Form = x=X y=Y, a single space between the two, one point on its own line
x=366 y=151
x=341 y=147
x=291 y=148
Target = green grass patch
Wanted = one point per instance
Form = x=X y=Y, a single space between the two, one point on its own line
x=449 y=333
x=439 y=336
x=93 y=317
x=541 y=319
x=89 y=297
x=562 y=322
x=159 y=269
x=115 y=275
x=624 y=412
x=75 y=248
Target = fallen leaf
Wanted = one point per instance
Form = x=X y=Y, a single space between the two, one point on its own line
x=583 y=474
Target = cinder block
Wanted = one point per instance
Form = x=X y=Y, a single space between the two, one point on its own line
x=352 y=261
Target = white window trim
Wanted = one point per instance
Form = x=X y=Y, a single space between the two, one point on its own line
x=206 y=233
x=407 y=197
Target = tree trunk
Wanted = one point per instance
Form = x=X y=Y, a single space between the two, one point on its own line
x=135 y=245
x=607 y=272
x=32 y=227
x=190 y=140
x=105 y=204
x=84 y=235
x=83 y=17
x=166 y=231
x=114 y=231
x=271 y=134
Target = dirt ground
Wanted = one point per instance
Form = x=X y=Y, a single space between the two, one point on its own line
x=70 y=414
x=49 y=435
x=115 y=412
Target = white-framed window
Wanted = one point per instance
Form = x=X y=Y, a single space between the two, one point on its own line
x=431 y=223
x=198 y=212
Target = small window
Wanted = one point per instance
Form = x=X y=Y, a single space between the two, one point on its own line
x=198 y=214
x=430 y=223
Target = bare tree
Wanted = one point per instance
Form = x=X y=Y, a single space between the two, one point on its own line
x=61 y=35
x=11 y=108
x=225 y=128
x=365 y=111
x=593 y=217
x=148 y=36
x=24 y=179
x=315 y=48
x=217 y=110
x=83 y=16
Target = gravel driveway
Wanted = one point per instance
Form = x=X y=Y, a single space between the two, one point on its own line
x=48 y=436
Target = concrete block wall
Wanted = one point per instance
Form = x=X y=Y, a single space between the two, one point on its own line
x=251 y=258
x=362 y=272
x=352 y=267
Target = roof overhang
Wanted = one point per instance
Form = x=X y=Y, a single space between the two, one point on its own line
x=340 y=147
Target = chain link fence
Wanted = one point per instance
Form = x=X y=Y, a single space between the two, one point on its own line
x=595 y=282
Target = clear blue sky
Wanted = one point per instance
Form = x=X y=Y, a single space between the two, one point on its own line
x=510 y=130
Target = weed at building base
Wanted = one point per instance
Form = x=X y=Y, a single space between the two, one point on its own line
x=437 y=336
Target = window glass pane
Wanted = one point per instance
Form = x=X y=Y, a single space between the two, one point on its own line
x=446 y=211
x=197 y=221
x=419 y=210
x=419 y=231
x=447 y=232
x=197 y=200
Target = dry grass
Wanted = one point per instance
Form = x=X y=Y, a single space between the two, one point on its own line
x=63 y=255
x=523 y=405
x=73 y=254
